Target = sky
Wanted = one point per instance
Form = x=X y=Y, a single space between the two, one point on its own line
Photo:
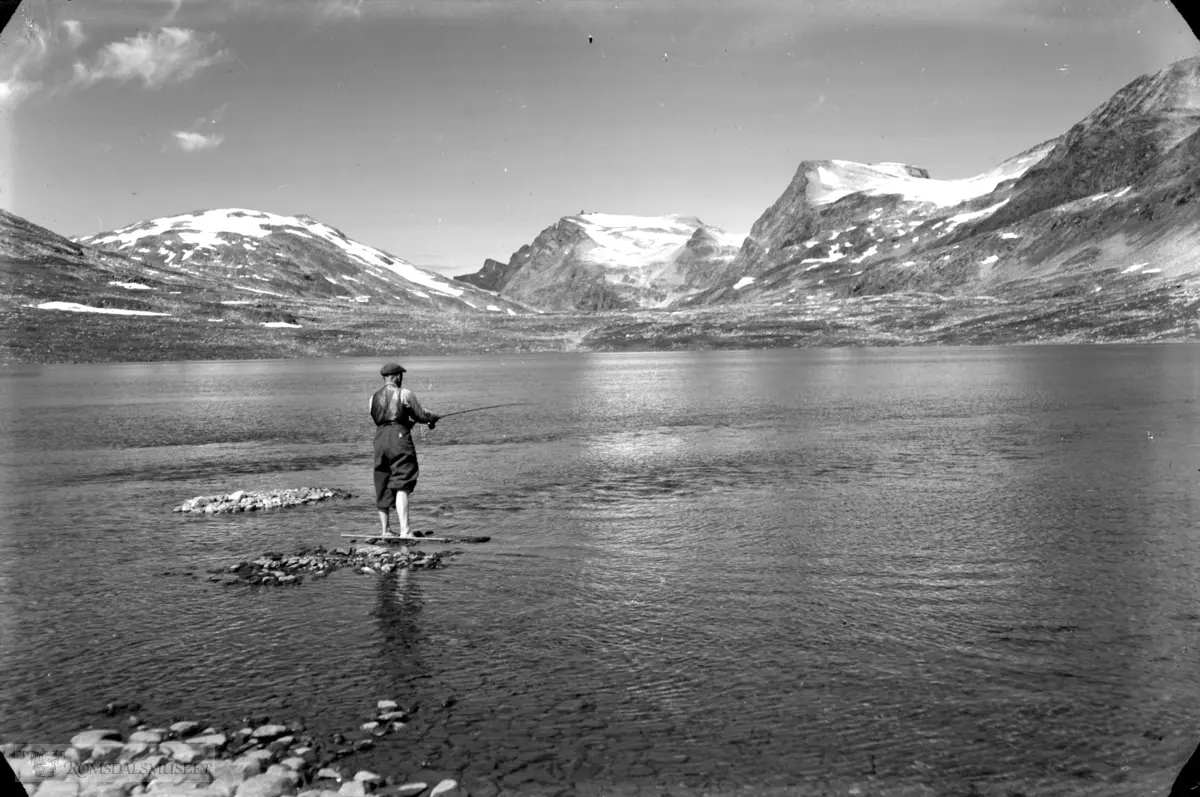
x=450 y=131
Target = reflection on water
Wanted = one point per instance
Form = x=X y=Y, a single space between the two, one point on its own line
x=912 y=569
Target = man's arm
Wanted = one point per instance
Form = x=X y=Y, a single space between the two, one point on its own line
x=418 y=412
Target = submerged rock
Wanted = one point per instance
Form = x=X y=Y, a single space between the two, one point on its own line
x=242 y=501
x=274 y=569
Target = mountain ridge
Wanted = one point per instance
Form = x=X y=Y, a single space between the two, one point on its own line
x=846 y=229
x=287 y=257
x=604 y=261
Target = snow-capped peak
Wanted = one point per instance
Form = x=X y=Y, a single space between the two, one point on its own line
x=204 y=230
x=638 y=241
x=827 y=184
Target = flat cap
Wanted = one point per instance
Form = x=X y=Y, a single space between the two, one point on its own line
x=391 y=368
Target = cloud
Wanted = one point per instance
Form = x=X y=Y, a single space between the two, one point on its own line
x=75 y=34
x=195 y=142
x=170 y=54
x=23 y=55
x=14 y=91
x=194 y=139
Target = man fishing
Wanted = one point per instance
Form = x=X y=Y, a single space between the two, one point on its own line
x=395 y=410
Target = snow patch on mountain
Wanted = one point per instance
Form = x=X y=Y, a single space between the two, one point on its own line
x=842 y=178
x=75 y=307
x=632 y=241
x=960 y=218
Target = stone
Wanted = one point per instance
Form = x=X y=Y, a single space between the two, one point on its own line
x=185 y=728
x=182 y=752
x=387 y=705
x=290 y=775
x=448 y=788
x=25 y=771
x=210 y=744
x=105 y=790
x=106 y=751
x=281 y=744
x=59 y=788
x=328 y=772
x=264 y=758
x=369 y=726
x=411 y=789
x=294 y=763
x=150 y=737
x=309 y=754
x=85 y=741
x=393 y=716
x=265 y=786
x=132 y=750
x=353 y=788
x=366 y=776
x=190 y=777
x=109 y=784
x=236 y=770
x=268 y=732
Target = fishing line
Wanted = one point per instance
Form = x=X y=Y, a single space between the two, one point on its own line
x=477 y=409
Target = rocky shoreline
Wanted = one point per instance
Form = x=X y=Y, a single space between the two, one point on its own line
x=261 y=759
x=274 y=569
x=245 y=501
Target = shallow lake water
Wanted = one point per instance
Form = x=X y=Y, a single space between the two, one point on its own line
x=877 y=571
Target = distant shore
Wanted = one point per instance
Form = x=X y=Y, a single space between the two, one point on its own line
x=35 y=336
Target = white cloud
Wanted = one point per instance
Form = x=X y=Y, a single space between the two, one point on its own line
x=13 y=91
x=75 y=34
x=170 y=54
x=24 y=51
x=195 y=142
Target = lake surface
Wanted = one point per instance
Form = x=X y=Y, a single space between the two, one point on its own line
x=915 y=571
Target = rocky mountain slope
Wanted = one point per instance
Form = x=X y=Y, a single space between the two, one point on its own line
x=219 y=284
x=602 y=261
x=1107 y=206
x=249 y=253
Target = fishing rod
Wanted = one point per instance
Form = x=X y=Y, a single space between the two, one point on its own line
x=477 y=409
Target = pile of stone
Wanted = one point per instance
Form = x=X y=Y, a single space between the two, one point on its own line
x=186 y=758
x=275 y=569
x=243 y=501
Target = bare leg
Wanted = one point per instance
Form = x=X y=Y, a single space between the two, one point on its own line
x=384 y=526
x=402 y=511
